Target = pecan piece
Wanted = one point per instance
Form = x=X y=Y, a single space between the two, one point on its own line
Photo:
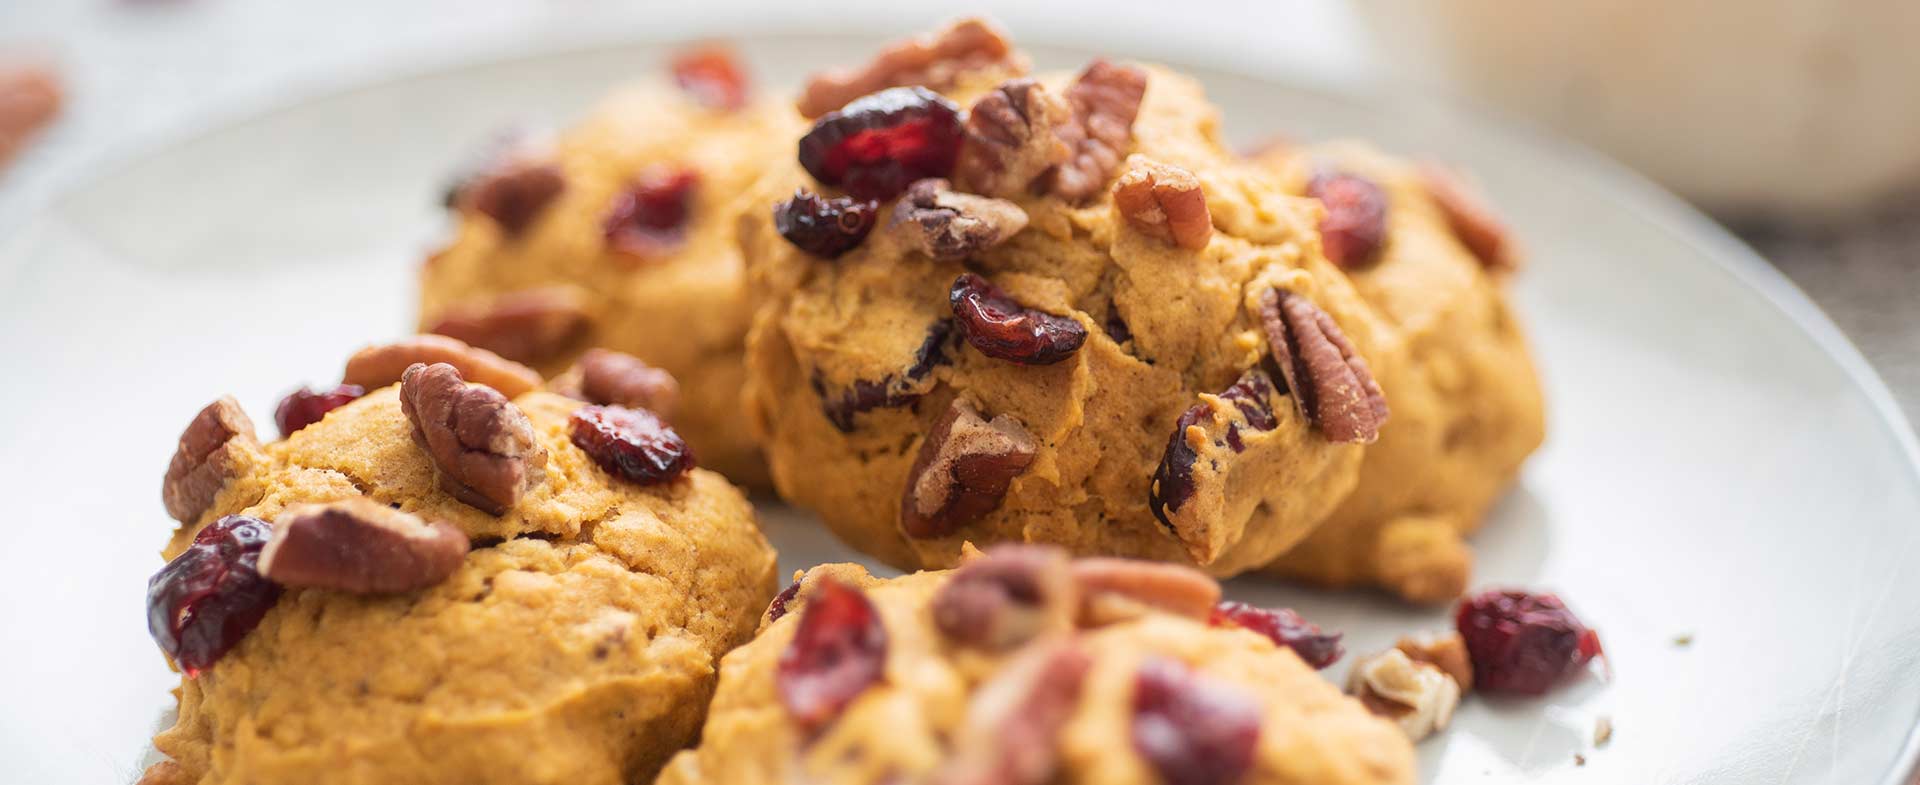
x=935 y=60
x=1330 y=383
x=1012 y=729
x=1105 y=100
x=1113 y=589
x=948 y=225
x=964 y=467
x=362 y=546
x=1164 y=201
x=378 y=366
x=204 y=461
x=513 y=193
x=527 y=326
x=610 y=378
x=1473 y=221
x=1446 y=651
x=1420 y=697
x=1010 y=595
x=481 y=444
x=1012 y=139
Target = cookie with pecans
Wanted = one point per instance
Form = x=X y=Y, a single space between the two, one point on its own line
x=996 y=673
x=1433 y=261
x=432 y=581
x=1011 y=307
x=618 y=233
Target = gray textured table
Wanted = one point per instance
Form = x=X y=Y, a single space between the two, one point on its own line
x=140 y=68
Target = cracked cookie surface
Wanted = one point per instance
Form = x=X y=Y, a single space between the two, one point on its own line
x=576 y=643
x=671 y=295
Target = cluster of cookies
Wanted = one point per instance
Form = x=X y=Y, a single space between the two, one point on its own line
x=1048 y=315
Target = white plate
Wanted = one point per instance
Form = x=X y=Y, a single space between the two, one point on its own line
x=1722 y=464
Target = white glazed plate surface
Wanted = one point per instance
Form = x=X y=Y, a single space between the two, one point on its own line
x=1721 y=464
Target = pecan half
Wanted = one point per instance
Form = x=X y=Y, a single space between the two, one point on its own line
x=378 y=366
x=611 y=378
x=481 y=444
x=362 y=546
x=964 y=467
x=936 y=60
x=513 y=193
x=204 y=460
x=1012 y=139
x=1105 y=100
x=1010 y=595
x=1164 y=201
x=530 y=325
x=1113 y=589
x=948 y=225
x=1012 y=729
x=1473 y=221
x=1330 y=383
x=1418 y=696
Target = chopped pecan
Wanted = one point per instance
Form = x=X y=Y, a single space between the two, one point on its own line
x=531 y=325
x=1164 y=201
x=1113 y=589
x=1012 y=729
x=204 y=461
x=607 y=377
x=1446 y=651
x=30 y=98
x=362 y=546
x=1330 y=383
x=948 y=225
x=378 y=366
x=935 y=61
x=481 y=444
x=513 y=193
x=1105 y=100
x=1012 y=139
x=1010 y=595
x=1418 y=696
x=964 y=467
x=1472 y=219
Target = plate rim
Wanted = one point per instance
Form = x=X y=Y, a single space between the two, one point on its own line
x=1634 y=192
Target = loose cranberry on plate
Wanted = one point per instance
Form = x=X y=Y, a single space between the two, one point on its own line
x=1522 y=642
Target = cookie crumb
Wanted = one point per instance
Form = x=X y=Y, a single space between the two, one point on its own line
x=1579 y=760
x=1602 y=731
x=1683 y=640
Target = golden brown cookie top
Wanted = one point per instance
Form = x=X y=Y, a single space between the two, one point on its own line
x=1025 y=666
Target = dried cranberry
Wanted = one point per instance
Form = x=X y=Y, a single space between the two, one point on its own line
x=825 y=228
x=713 y=76
x=1355 y=225
x=1005 y=330
x=650 y=218
x=778 y=607
x=1191 y=731
x=892 y=390
x=1522 y=642
x=210 y=596
x=304 y=407
x=1173 y=481
x=1250 y=394
x=838 y=650
x=1284 y=627
x=878 y=144
x=632 y=443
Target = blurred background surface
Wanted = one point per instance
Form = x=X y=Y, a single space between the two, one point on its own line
x=1794 y=121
